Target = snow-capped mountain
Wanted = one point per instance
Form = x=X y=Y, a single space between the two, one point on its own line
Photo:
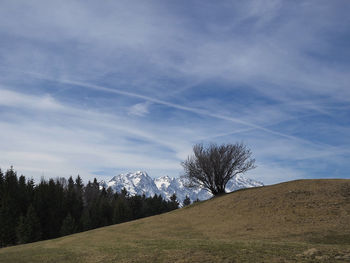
x=168 y=186
x=141 y=183
x=135 y=183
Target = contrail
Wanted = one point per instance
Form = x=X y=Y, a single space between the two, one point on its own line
x=177 y=106
x=166 y=103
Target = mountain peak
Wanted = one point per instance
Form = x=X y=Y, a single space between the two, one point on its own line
x=140 y=182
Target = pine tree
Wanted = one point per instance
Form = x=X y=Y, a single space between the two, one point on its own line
x=154 y=205
x=124 y=192
x=1 y=184
x=73 y=200
x=187 y=201
x=8 y=225
x=34 y=224
x=79 y=182
x=105 y=209
x=49 y=203
x=68 y=226
x=21 y=230
x=121 y=211
x=78 y=204
x=174 y=204
x=22 y=195
x=9 y=209
x=136 y=206
x=85 y=220
x=95 y=184
x=29 y=229
x=30 y=212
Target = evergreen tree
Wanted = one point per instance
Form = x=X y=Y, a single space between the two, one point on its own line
x=79 y=182
x=68 y=226
x=21 y=231
x=91 y=192
x=105 y=209
x=85 y=220
x=9 y=209
x=49 y=203
x=136 y=207
x=124 y=192
x=73 y=200
x=34 y=226
x=78 y=204
x=1 y=184
x=8 y=225
x=22 y=195
x=121 y=211
x=96 y=185
x=87 y=197
x=187 y=201
x=30 y=191
x=29 y=229
x=52 y=208
x=95 y=214
x=174 y=204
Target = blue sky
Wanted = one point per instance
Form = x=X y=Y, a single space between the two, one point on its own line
x=99 y=88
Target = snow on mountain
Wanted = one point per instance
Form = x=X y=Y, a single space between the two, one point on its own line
x=240 y=182
x=135 y=183
x=141 y=183
x=169 y=186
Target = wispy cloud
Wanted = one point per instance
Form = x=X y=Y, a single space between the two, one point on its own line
x=127 y=85
x=139 y=109
x=10 y=98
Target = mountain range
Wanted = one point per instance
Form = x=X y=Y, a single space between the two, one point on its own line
x=140 y=183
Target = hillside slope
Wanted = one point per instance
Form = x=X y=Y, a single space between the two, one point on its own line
x=298 y=221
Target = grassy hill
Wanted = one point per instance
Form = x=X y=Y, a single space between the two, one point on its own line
x=298 y=221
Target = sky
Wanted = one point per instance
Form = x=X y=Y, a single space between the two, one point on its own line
x=98 y=88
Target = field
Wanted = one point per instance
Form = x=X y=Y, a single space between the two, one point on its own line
x=298 y=221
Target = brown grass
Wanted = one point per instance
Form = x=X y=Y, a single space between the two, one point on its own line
x=299 y=221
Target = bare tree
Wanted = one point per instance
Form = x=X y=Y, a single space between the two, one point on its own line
x=213 y=166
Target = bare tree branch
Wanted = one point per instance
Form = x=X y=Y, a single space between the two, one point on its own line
x=213 y=166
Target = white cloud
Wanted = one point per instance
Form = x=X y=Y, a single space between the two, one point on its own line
x=14 y=99
x=139 y=109
x=71 y=139
x=151 y=56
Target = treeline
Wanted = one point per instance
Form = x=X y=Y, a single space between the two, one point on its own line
x=30 y=212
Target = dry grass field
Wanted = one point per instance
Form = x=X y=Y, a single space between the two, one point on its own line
x=298 y=221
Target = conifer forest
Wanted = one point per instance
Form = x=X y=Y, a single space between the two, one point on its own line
x=53 y=208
